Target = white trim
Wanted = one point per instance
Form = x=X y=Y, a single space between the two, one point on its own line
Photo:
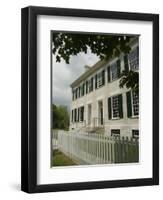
x=132 y=107
x=114 y=118
x=133 y=48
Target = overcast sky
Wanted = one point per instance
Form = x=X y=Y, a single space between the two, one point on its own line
x=64 y=74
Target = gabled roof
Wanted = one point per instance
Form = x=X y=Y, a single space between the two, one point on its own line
x=97 y=66
x=87 y=73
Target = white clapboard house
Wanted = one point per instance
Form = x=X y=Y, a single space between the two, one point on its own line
x=99 y=105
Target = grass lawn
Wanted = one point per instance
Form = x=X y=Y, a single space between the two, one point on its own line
x=60 y=159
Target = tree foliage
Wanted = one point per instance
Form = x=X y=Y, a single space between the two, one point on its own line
x=130 y=79
x=104 y=46
x=66 y=45
x=60 y=117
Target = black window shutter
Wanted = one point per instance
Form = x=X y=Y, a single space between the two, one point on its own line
x=78 y=114
x=79 y=91
x=96 y=81
x=129 y=104
x=92 y=84
x=109 y=109
x=126 y=62
x=138 y=54
x=72 y=116
x=76 y=93
x=108 y=69
x=86 y=87
x=75 y=115
x=120 y=98
x=83 y=88
x=82 y=113
x=118 y=68
x=103 y=77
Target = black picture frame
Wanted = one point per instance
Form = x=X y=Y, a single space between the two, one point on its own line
x=29 y=99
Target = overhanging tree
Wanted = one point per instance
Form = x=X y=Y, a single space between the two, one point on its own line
x=105 y=47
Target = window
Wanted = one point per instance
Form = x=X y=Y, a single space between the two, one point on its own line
x=90 y=84
x=134 y=59
x=75 y=117
x=115 y=107
x=114 y=71
x=79 y=91
x=132 y=104
x=86 y=87
x=82 y=113
x=135 y=134
x=115 y=132
x=82 y=89
x=100 y=79
x=135 y=104
x=72 y=115
x=73 y=95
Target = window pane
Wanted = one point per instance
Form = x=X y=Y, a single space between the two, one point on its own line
x=135 y=103
x=134 y=59
x=135 y=133
x=115 y=106
x=99 y=80
x=115 y=132
x=114 y=71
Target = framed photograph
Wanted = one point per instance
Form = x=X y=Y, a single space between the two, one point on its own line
x=90 y=99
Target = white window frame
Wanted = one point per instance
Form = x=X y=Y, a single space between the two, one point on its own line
x=129 y=60
x=111 y=79
x=133 y=115
x=118 y=135
x=112 y=107
x=133 y=134
x=99 y=79
x=89 y=85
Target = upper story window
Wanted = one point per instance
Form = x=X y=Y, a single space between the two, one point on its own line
x=73 y=95
x=82 y=88
x=100 y=79
x=86 y=87
x=133 y=58
x=90 y=84
x=114 y=71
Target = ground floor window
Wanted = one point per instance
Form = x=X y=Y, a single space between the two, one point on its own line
x=82 y=113
x=135 y=134
x=132 y=104
x=115 y=107
x=115 y=132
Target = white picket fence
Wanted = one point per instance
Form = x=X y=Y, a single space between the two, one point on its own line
x=96 y=148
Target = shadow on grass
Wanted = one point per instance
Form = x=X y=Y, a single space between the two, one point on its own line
x=60 y=159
